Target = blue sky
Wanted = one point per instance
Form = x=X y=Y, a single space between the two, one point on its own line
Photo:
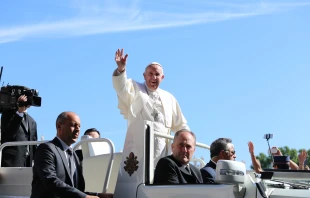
x=239 y=69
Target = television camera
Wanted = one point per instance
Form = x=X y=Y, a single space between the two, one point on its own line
x=9 y=96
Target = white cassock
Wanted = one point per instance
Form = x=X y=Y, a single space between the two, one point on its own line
x=136 y=101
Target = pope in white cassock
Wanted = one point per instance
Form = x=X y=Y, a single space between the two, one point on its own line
x=147 y=101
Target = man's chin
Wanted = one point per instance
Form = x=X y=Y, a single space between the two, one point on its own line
x=152 y=87
x=185 y=160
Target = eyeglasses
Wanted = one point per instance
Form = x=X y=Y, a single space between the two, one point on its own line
x=232 y=152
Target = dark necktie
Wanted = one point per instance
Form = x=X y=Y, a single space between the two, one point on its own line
x=71 y=166
x=188 y=169
x=25 y=121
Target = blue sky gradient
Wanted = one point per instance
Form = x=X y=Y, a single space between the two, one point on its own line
x=238 y=69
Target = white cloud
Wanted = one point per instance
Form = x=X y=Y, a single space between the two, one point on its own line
x=109 y=17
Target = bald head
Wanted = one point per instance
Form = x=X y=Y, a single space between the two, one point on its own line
x=68 y=127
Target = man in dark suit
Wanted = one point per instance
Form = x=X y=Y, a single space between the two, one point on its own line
x=57 y=172
x=175 y=168
x=18 y=126
x=220 y=149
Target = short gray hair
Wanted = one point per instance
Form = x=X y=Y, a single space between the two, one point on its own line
x=61 y=117
x=219 y=145
x=184 y=130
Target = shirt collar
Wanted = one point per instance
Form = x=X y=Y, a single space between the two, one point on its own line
x=63 y=144
x=187 y=165
x=213 y=161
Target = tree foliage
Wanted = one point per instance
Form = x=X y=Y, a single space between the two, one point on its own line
x=266 y=160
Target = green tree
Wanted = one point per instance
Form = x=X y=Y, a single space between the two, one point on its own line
x=266 y=160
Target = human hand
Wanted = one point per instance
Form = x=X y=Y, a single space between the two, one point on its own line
x=278 y=153
x=306 y=167
x=21 y=102
x=251 y=147
x=302 y=157
x=120 y=60
x=90 y=196
x=105 y=195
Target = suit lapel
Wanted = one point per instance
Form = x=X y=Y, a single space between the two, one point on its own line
x=63 y=157
x=180 y=166
x=184 y=171
x=194 y=174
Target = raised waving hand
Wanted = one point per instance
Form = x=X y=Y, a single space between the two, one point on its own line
x=120 y=60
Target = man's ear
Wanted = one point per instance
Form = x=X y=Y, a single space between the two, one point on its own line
x=222 y=154
x=58 y=125
x=162 y=77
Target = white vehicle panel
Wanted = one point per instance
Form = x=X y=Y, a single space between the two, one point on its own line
x=186 y=191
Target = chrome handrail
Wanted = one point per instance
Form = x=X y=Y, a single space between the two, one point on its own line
x=201 y=145
x=109 y=170
x=18 y=143
x=198 y=160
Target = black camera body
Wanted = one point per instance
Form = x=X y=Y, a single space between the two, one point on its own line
x=9 y=97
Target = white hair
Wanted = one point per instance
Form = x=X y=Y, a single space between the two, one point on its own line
x=155 y=63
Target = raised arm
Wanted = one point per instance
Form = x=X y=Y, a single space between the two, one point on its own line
x=255 y=162
x=301 y=159
x=124 y=87
x=11 y=121
x=121 y=62
x=292 y=164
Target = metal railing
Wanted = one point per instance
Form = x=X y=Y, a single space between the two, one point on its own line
x=109 y=169
x=18 y=143
x=110 y=143
x=201 y=145
x=198 y=160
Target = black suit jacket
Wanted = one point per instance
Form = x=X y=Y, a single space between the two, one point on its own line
x=206 y=173
x=170 y=171
x=51 y=177
x=13 y=129
x=79 y=153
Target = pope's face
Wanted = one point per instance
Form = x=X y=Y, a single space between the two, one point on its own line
x=153 y=76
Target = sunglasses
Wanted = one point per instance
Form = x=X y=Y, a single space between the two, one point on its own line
x=232 y=152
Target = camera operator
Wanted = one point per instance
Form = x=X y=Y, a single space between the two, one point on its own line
x=18 y=126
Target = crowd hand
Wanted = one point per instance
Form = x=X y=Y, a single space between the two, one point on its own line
x=120 y=60
x=302 y=157
x=251 y=147
x=101 y=195
x=22 y=99
x=278 y=153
